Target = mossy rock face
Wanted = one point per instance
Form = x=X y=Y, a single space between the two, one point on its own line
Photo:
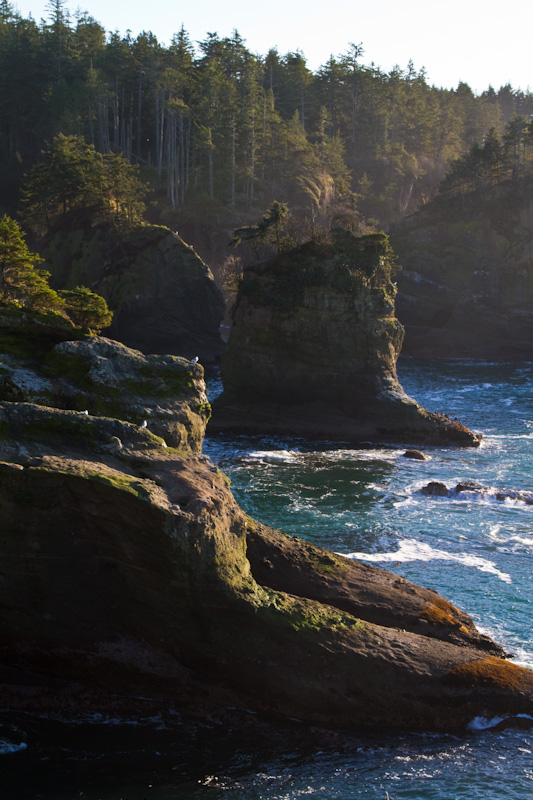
x=466 y=288
x=313 y=348
x=163 y=296
x=104 y=378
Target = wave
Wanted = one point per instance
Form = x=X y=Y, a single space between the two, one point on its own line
x=484 y=724
x=412 y=550
x=9 y=747
x=285 y=456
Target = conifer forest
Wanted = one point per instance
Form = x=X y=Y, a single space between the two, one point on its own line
x=217 y=133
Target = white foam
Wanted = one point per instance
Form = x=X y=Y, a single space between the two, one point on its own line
x=411 y=550
x=484 y=724
x=285 y=456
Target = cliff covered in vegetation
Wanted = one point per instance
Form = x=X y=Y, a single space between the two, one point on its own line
x=313 y=348
x=466 y=286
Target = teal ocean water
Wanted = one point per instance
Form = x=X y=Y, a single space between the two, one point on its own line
x=474 y=548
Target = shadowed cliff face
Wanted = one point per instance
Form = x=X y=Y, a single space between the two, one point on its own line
x=163 y=296
x=466 y=285
x=313 y=349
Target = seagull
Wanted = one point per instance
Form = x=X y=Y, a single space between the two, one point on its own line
x=194 y=360
x=144 y=424
x=85 y=412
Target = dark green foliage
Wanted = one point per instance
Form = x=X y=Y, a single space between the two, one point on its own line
x=87 y=309
x=222 y=130
x=497 y=159
x=73 y=175
x=24 y=285
x=345 y=263
x=268 y=229
x=20 y=280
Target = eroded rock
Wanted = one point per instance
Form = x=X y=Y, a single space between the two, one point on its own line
x=108 y=379
x=313 y=349
x=134 y=574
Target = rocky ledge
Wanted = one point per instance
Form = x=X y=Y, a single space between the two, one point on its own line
x=97 y=376
x=131 y=579
x=313 y=348
x=131 y=576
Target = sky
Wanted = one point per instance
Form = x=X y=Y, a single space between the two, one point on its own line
x=480 y=43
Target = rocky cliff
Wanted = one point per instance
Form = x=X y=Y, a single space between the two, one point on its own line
x=101 y=377
x=313 y=348
x=163 y=296
x=466 y=287
x=131 y=579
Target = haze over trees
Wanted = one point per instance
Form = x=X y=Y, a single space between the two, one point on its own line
x=217 y=130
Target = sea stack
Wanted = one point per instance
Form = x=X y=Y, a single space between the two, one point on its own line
x=313 y=348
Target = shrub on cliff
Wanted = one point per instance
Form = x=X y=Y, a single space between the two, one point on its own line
x=87 y=309
x=24 y=284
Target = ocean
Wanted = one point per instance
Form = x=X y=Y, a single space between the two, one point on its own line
x=475 y=547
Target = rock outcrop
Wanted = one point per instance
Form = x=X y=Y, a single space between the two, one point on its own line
x=131 y=579
x=102 y=377
x=163 y=296
x=133 y=574
x=466 y=287
x=313 y=347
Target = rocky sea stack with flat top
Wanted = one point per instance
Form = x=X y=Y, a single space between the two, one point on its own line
x=313 y=348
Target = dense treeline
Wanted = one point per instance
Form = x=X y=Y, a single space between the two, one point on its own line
x=497 y=159
x=218 y=129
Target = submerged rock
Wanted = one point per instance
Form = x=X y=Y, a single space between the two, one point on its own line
x=313 y=349
x=163 y=297
x=416 y=455
x=476 y=490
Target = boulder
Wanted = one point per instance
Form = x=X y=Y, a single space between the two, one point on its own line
x=313 y=347
x=163 y=297
x=416 y=455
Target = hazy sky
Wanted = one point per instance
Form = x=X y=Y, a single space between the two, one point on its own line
x=478 y=42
